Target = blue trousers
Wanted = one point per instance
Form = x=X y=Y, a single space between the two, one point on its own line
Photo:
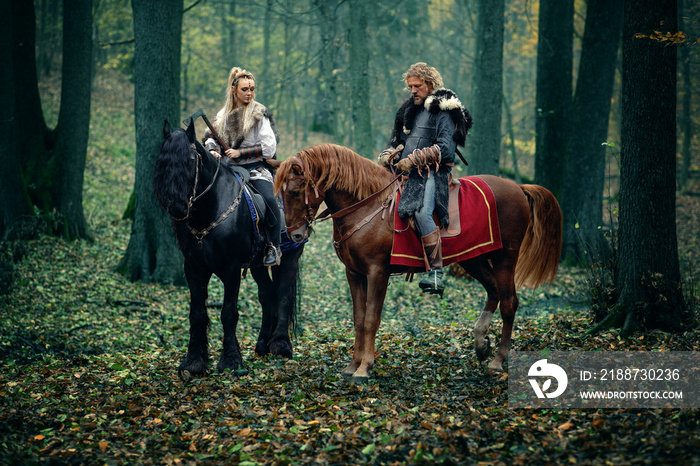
x=424 y=217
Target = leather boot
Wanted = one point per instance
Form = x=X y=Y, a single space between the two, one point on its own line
x=432 y=280
x=273 y=255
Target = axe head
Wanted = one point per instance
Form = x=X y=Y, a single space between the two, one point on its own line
x=191 y=119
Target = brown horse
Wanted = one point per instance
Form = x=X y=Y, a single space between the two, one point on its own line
x=359 y=193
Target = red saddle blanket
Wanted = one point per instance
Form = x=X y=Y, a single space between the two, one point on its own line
x=473 y=228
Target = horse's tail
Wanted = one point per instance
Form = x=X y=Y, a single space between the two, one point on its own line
x=541 y=248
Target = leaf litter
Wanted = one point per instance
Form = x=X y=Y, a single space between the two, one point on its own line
x=89 y=375
x=89 y=372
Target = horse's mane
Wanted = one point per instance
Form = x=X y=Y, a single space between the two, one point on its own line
x=331 y=166
x=172 y=180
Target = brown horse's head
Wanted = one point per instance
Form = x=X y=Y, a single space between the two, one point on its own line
x=304 y=180
x=300 y=196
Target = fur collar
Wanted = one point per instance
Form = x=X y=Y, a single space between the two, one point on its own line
x=439 y=101
x=233 y=129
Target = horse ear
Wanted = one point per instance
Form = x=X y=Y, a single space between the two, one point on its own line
x=190 y=132
x=166 y=130
x=297 y=170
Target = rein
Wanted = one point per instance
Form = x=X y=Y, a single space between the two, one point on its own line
x=309 y=218
x=213 y=180
x=200 y=234
x=194 y=198
x=326 y=214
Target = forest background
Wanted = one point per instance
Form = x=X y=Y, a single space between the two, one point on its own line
x=81 y=328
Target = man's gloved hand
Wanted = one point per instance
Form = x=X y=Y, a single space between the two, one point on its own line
x=383 y=158
x=405 y=165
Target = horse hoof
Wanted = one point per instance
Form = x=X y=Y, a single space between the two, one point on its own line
x=349 y=371
x=495 y=368
x=193 y=367
x=483 y=351
x=495 y=373
x=281 y=348
x=231 y=364
x=262 y=349
x=359 y=380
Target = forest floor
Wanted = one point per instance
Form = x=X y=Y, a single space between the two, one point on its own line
x=88 y=365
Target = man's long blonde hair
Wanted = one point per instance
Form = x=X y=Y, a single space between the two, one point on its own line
x=430 y=75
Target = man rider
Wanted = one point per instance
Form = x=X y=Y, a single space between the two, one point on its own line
x=432 y=117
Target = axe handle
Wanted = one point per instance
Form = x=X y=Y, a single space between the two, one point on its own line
x=274 y=163
x=398 y=149
x=214 y=133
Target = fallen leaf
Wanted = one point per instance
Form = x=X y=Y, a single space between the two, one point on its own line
x=566 y=426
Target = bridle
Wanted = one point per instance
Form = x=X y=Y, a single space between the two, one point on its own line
x=311 y=210
x=200 y=234
x=310 y=216
x=197 y=157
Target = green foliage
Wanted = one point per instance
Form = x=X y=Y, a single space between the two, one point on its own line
x=114 y=35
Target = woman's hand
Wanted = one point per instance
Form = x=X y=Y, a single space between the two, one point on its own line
x=233 y=154
x=215 y=154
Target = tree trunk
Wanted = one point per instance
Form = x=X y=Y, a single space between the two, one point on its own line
x=265 y=78
x=358 y=74
x=48 y=35
x=73 y=128
x=152 y=254
x=12 y=200
x=553 y=101
x=582 y=194
x=647 y=278
x=686 y=114
x=488 y=89
x=34 y=138
x=323 y=115
x=50 y=163
x=229 y=44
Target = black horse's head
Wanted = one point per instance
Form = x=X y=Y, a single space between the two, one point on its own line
x=174 y=175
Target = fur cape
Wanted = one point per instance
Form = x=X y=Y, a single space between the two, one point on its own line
x=412 y=196
x=235 y=130
x=438 y=101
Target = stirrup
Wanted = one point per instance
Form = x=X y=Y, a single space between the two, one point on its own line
x=432 y=282
x=273 y=255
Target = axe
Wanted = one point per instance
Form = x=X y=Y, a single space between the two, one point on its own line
x=200 y=113
x=274 y=163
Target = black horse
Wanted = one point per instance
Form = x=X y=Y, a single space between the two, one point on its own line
x=215 y=230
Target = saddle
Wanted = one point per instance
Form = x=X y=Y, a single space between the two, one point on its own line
x=473 y=229
x=258 y=208
x=454 y=228
x=254 y=200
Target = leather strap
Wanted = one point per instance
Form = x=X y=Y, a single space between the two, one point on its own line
x=343 y=212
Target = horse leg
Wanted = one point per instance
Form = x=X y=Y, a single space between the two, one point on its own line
x=231 y=353
x=277 y=298
x=285 y=276
x=358 y=292
x=374 y=292
x=505 y=272
x=267 y=296
x=481 y=270
x=196 y=362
